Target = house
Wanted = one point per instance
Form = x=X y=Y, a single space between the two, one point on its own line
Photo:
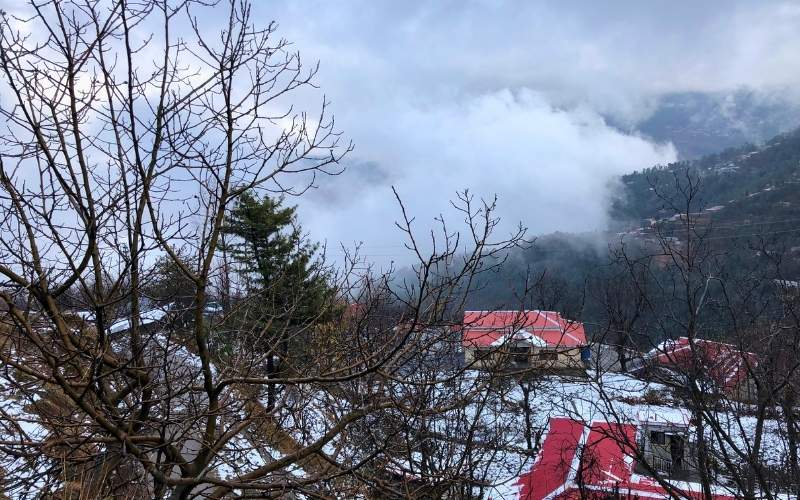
x=787 y=290
x=600 y=460
x=613 y=358
x=718 y=367
x=664 y=442
x=522 y=339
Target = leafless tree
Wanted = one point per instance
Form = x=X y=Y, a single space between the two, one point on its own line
x=131 y=129
x=715 y=317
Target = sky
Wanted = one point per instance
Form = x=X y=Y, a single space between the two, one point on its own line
x=513 y=99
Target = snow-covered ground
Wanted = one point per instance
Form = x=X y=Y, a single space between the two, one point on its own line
x=495 y=412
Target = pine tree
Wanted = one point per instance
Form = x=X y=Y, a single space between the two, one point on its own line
x=275 y=259
x=168 y=284
x=286 y=285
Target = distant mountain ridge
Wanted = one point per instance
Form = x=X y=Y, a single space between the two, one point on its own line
x=745 y=193
x=754 y=182
x=700 y=123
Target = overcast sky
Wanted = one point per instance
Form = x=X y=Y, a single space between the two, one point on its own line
x=507 y=97
x=511 y=98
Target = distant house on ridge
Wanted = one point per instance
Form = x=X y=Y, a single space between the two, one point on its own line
x=523 y=339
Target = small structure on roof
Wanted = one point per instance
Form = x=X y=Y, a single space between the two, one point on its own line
x=523 y=339
x=663 y=440
x=716 y=366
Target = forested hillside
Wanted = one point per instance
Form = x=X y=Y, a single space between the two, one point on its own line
x=702 y=123
x=749 y=181
x=743 y=205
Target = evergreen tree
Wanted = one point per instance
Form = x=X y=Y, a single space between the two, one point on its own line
x=286 y=285
x=275 y=259
x=168 y=284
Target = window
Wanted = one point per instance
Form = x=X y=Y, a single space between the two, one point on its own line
x=548 y=355
x=658 y=437
x=520 y=354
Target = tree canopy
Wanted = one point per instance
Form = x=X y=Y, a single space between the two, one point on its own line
x=274 y=259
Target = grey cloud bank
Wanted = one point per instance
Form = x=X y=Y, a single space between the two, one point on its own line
x=542 y=103
x=509 y=98
x=549 y=168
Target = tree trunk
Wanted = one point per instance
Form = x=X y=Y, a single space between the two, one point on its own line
x=788 y=403
x=623 y=360
x=270 y=386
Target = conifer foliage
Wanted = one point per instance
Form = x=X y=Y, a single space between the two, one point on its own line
x=274 y=259
x=285 y=284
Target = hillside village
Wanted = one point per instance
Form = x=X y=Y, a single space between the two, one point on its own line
x=558 y=258
x=598 y=429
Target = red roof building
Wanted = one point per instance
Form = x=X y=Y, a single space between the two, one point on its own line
x=514 y=340
x=540 y=328
x=598 y=457
x=727 y=366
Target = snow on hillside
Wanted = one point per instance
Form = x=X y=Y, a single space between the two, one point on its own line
x=615 y=398
x=306 y=413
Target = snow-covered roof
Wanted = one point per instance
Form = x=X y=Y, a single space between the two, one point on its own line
x=602 y=452
x=787 y=283
x=523 y=336
x=490 y=328
x=724 y=363
x=145 y=318
x=665 y=416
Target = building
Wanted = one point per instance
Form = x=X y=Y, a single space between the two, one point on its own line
x=665 y=444
x=716 y=366
x=523 y=339
x=602 y=460
x=613 y=358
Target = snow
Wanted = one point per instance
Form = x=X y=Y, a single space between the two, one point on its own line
x=84 y=315
x=307 y=412
x=615 y=398
x=520 y=336
x=146 y=318
x=649 y=415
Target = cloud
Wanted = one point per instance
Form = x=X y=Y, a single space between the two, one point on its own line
x=549 y=167
x=615 y=57
x=498 y=97
x=512 y=98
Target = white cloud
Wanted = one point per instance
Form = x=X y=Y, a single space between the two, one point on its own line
x=507 y=97
x=551 y=168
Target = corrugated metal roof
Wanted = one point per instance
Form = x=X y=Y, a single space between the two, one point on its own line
x=725 y=363
x=489 y=328
x=602 y=452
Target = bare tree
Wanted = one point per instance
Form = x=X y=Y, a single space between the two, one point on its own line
x=131 y=130
x=722 y=340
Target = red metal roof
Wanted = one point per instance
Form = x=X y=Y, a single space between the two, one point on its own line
x=726 y=364
x=601 y=452
x=487 y=328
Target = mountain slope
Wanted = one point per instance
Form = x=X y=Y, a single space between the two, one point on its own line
x=751 y=184
x=745 y=196
x=704 y=123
